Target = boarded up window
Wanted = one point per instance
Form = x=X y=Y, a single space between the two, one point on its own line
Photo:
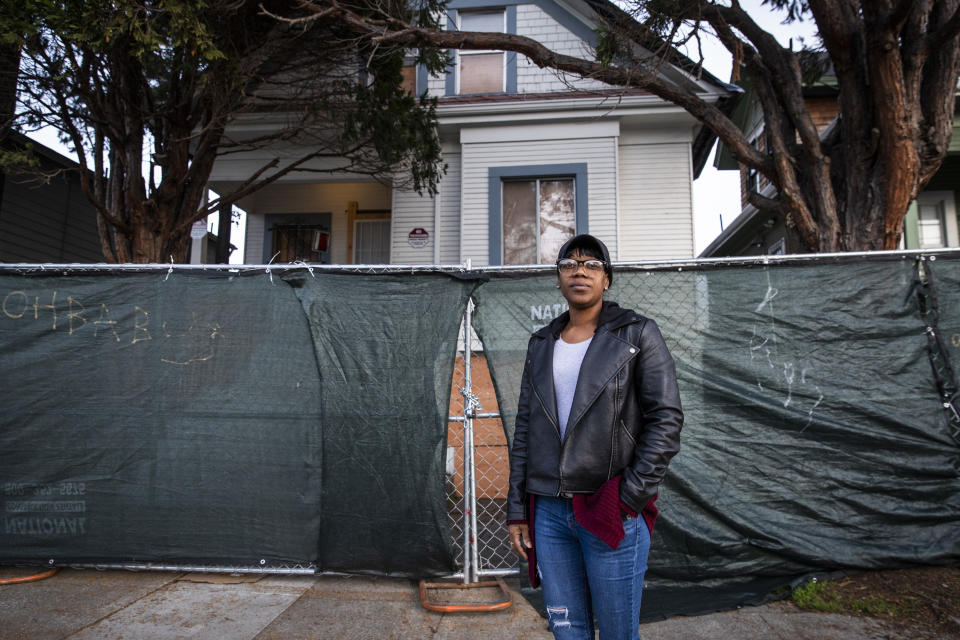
x=482 y=71
x=520 y=222
x=538 y=217
x=409 y=82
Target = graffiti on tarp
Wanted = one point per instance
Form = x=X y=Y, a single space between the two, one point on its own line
x=69 y=315
x=798 y=390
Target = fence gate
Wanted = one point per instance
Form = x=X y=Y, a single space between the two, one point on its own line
x=477 y=466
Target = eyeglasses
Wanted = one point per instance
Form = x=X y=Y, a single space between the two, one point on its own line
x=571 y=265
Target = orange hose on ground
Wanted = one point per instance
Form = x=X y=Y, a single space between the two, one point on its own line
x=465 y=607
x=33 y=578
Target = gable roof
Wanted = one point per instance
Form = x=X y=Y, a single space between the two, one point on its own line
x=581 y=17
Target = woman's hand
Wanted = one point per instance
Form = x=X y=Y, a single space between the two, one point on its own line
x=520 y=539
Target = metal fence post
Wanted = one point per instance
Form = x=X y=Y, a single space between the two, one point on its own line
x=470 y=412
x=469 y=500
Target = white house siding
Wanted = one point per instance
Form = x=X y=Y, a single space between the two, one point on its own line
x=534 y=22
x=436 y=86
x=656 y=205
x=253 y=242
x=598 y=153
x=411 y=211
x=449 y=236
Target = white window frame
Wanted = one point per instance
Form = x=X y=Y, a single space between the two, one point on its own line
x=945 y=200
x=356 y=237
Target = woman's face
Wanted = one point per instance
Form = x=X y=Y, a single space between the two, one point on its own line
x=581 y=287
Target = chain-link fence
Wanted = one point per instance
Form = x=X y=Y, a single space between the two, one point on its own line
x=746 y=339
x=490 y=472
x=746 y=345
x=477 y=465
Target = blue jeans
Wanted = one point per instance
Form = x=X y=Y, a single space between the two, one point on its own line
x=583 y=577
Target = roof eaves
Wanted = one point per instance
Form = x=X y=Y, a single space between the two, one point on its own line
x=747 y=215
x=19 y=139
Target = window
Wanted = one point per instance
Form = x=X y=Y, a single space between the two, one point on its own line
x=932 y=225
x=755 y=181
x=482 y=71
x=371 y=241
x=539 y=215
x=778 y=248
x=936 y=221
x=409 y=82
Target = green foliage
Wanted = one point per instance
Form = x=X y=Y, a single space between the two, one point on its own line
x=609 y=48
x=118 y=77
x=814 y=64
x=825 y=597
x=147 y=31
x=795 y=9
x=394 y=121
x=18 y=159
x=817 y=596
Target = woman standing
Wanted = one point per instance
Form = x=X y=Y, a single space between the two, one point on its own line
x=598 y=421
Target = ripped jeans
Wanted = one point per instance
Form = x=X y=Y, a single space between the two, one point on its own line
x=583 y=577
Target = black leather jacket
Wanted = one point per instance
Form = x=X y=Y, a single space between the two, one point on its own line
x=625 y=419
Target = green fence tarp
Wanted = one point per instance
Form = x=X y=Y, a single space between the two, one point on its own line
x=198 y=419
x=227 y=420
x=814 y=438
x=150 y=419
x=385 y=349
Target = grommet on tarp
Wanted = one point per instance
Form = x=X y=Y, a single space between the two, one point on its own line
x=500 y=599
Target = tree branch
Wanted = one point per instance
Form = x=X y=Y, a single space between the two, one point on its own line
x=945 y=33
x=410 y=36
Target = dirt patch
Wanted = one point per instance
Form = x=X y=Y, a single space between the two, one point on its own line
x=921 y=602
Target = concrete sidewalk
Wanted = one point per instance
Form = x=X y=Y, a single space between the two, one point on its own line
x=88 y=605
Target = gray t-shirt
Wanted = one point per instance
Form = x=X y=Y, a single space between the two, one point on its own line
x=567 y=359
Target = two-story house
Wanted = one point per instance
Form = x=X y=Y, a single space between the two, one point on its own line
x=533 y=157
x=931 y=220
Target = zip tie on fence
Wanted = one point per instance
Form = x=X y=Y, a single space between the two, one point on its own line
x=269 y=273
x=170 y=270
x=304 y=265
